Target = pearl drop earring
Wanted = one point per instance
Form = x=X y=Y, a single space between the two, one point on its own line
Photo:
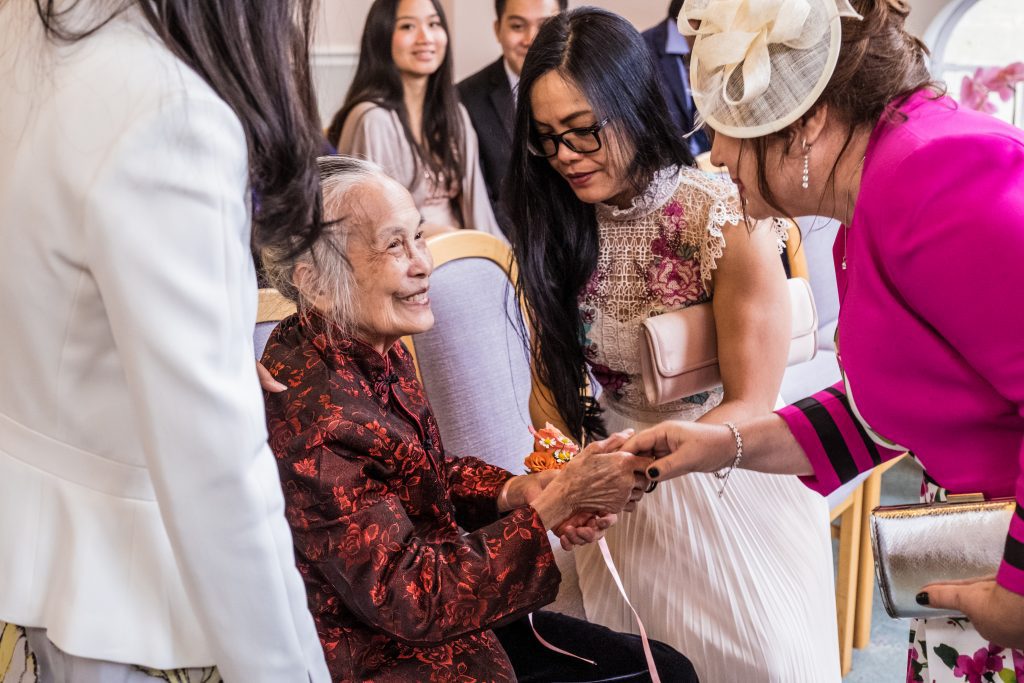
x=807 y=164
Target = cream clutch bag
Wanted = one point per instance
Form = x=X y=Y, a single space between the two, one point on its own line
x=680 y=357
x=915 y=545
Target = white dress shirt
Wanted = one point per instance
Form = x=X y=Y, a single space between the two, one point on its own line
x=513 y=80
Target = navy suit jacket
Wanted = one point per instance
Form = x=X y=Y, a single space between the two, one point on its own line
x=680 y=105
x=487 y=97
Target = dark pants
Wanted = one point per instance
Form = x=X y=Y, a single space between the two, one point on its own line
x=619 y=656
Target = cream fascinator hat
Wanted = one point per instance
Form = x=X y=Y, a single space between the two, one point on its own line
x=758 y=65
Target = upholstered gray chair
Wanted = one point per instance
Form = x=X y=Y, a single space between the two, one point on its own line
x=475 y=366
x=818 y=235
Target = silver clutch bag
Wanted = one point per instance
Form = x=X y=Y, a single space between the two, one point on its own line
x=915 y=545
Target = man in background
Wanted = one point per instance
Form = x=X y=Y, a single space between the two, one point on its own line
x=490 y=94
x=671 y=52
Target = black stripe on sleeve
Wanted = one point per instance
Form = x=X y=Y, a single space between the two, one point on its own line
x=831 y=438
x=870 y=445
x=1020 y=511
x=1014 y=554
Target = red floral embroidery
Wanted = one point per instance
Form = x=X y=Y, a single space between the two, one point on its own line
x=306 y=467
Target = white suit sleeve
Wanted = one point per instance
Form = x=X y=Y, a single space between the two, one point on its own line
x=168 y=230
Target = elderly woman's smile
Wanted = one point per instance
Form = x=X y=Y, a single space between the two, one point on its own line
x=391 y=264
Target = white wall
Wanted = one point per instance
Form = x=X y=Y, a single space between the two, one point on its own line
x=341 y=24
x=336 y=51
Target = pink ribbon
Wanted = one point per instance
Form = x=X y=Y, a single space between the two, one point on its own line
x=651 y=667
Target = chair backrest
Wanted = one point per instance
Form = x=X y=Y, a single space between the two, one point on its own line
x=475 y=362
x=273 y=308
x=818 y=236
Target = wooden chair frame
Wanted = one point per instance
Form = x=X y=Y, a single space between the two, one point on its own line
x=872 y=491
x=273 y=306
x=849 y=515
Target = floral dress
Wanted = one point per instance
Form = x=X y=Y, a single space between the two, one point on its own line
x=742 y=584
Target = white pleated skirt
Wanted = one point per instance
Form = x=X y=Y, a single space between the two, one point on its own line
x=742 y=585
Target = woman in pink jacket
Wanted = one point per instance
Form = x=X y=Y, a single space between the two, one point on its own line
x=929 y=268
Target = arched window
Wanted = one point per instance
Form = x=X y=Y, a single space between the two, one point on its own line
x=969 y=34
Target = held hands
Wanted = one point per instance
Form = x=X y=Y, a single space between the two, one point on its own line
x=607 y=462
x=583 y=528
x=683 y=447
x=582 y=501
x=578 y=529
x=997 y=613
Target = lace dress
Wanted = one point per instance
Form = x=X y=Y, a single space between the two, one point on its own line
x=741 y=584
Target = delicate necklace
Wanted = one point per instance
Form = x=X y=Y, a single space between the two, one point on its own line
x=849 y=202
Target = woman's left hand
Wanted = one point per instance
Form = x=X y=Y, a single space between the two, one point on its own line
x=996 y=613
x=583 y=528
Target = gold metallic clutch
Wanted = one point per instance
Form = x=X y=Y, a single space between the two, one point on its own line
x=916 y=545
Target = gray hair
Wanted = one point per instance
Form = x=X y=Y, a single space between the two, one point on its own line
x=333 y=279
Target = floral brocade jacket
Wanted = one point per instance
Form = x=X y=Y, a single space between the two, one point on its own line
x=398 y=590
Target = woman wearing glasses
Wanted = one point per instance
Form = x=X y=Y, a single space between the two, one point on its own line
x=612 y=224
x=403 y=113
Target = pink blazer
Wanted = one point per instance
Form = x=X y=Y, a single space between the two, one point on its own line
x=931 y=323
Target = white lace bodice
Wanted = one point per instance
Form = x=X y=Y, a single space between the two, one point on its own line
x=654 y=257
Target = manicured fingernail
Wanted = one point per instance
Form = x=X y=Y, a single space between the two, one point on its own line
x=922 y=598
x=653 y=473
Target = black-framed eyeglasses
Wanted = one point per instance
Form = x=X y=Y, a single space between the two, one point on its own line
x=580 y=140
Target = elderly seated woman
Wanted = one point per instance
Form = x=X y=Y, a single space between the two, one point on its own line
x=377 y=508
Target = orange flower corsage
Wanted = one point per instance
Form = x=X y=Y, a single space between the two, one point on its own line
x=552 y=450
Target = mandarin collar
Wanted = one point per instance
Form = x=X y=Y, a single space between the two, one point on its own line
x=661 y=189
x=340 y=349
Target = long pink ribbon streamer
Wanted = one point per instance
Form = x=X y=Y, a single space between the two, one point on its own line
x=610 y=563
x=555 y=648
x=607 y=555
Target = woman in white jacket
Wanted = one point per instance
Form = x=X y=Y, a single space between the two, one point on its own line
x=141 y=515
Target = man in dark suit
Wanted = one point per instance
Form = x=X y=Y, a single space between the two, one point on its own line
x=671 y=53
x=489 y=94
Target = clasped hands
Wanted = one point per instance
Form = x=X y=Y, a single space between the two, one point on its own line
x=582 y=501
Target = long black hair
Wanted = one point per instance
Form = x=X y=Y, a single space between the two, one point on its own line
x=554 y=234
x=377 y=80
x=255 y=56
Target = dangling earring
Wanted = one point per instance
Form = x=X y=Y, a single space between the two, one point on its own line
x=807 y=164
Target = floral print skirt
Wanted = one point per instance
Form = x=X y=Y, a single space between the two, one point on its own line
x=949 y=650
x=22 y=650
